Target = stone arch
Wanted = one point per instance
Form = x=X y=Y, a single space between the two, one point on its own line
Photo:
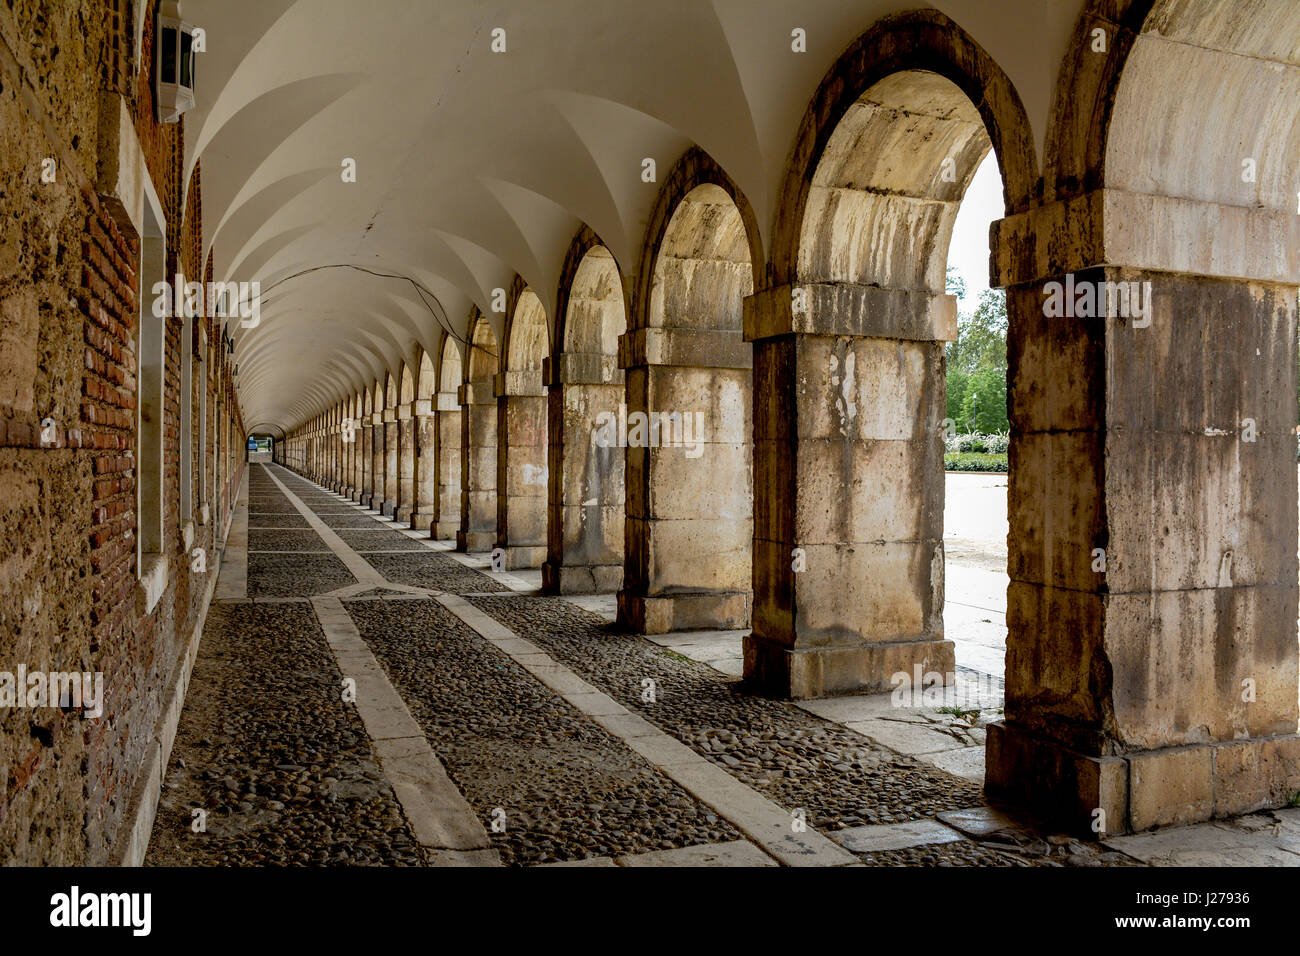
x=521 y=431
x=396 y=384
x=484 y=354
x=478 y=500
x=425 y=425
x=689 y=525
x=898 y=52
x=591 y=305
x=526 y=330
x=1127 y=425
x=427 y=381
x=406 y=387
x=849 y=340
x=354 y=447
x=450 y=372
x=405 y=505
x=447 y=426
x=585 y=515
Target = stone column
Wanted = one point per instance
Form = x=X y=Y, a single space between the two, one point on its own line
x=378 y=457
x=337 y=449
x=689 y=526
x=358 y=460
x=426 y=467
x=392 y=454
x=448 y=418
x=521 y=468
x=585 y=504
x=848 y=469
x=478 y=463
x=405 y=464
x=1152 y=647
x=367 y=463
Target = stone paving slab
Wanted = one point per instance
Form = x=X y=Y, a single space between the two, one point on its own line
x=438 y=814
x=749 y=811
x=736 y=853
x=907 y=738
x=791 y=758
x=1235 y=843
x=967 y=762
x=894 y=836
x=980 y=822
x=281 y=765
x=605 y=605
x=560 y=784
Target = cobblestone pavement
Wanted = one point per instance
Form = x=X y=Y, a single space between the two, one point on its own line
x=568 y=789
x=840 y=779
x=287 y=772
x=266 y=747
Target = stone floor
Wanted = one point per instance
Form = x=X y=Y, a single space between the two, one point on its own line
x=366 y=696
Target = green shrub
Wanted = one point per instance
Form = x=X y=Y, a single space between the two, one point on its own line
x=975 y=461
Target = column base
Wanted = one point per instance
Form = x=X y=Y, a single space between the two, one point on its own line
x=348 y=491
x=475 y=540
x=356 y=495
x=702 y=611
x=805 y=673
x=421 y=521
x=1172 y=786
x=364 y=499
x=388 y=508
x=445 y=530
x=522 y=556
x=581 y=578
x=402 y=514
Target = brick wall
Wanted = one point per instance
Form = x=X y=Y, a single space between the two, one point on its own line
x=70 y=596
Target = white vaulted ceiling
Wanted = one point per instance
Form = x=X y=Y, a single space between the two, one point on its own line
x=473 y=166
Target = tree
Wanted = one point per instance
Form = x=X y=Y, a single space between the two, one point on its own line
x=954 y=283
x=977 y=365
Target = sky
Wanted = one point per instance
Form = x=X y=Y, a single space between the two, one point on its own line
x=969 y=250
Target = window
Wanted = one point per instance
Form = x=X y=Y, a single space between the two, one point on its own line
x=151 y=346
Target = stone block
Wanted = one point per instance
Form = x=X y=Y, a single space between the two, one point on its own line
x=1171 y=787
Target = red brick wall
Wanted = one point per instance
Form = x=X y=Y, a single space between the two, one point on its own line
x=70 y=597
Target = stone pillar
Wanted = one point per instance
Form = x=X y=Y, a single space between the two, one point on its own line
x=405 y=464
x=367 y=463
x=358 y=460
x=521 y=468
x=426 y=467
x=448 y=418
x=392 y=454
x=478 y=464
x=585 y=503
x=378 y=457
x=689 y=527
x=848 y=470
x=1152 y=647
x=336 y=463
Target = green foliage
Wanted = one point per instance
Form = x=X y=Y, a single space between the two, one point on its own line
x=996 y=444
x=977 y=364
x=954 y=283
x=975 y=461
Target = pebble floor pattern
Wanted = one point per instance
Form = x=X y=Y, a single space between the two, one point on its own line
x=286 y=775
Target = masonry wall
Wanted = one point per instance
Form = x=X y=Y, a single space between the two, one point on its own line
x=71 y=598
